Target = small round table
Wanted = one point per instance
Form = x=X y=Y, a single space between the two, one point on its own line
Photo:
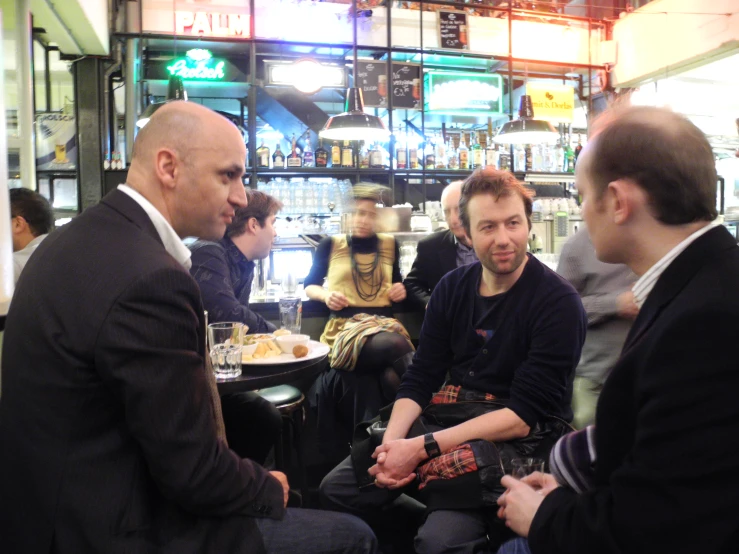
x=255 y=376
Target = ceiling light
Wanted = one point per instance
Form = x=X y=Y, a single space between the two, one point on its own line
x=526 y=129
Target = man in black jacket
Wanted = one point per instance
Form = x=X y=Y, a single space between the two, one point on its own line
x=110 y=436
x=440 y=252
x=665 y=460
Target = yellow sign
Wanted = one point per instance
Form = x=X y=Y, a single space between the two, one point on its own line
x=552 y=102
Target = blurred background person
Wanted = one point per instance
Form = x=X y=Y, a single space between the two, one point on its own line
x=441 y=252
x=224 y=271
x=31 y=221
x=605 y=290
x=363 y=280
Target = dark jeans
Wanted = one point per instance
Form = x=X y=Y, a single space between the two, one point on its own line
x=443 y=531
x=345 y=398
x=253 y=424
x=317 y=532
x=516 y=546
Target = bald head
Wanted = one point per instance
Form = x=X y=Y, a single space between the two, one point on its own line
x=450 y=204
x=181 y=161
x=661 y=151
x=176 y=125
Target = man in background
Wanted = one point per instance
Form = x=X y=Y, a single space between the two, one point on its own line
x=110 y=428
x=31 y=221
x=605 y=291
x=224 y=271
x=440 y=252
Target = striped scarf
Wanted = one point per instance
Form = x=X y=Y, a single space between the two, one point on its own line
x=351 y=339
x=572 y=460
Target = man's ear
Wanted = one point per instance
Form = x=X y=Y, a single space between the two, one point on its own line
x=18 y=224
x=166 y=167
x=620 y=199
x=252 y=225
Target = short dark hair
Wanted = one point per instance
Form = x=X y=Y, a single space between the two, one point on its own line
x=497 y=183
x=34 y=208
x=661 y=151
x=259 y=206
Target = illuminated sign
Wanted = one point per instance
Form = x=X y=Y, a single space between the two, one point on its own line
x=463 y=93
x=308 y=76
x=198 y=64
x=211 y=24
x=552 y=102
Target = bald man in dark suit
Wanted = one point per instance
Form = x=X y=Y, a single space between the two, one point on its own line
x=110 y=431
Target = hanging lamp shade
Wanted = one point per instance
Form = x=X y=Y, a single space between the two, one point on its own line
x=526 y=129
x=354 y=124
x=175 y=91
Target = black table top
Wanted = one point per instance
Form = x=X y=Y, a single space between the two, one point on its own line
x=261 y=376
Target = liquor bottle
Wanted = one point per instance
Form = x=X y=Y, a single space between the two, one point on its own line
x=294 y=160
x=278 y=158
x=478 y=154
x=376 y=157
x=519 y=161
x=336 y=154
x=401 y=154
x=413 y=155
x=559 y=157
x=321 y=155
x=464 y=153
x=528 y=158
x=441 y=155
x=364 y=156
x=491 y=153
x=263 y=155
x=504 y=160
x=452 y=156
x=492 y=156
x=309 y=159
x=569 y=166
x=578 y=148
x=428 y=156
x=347 y=155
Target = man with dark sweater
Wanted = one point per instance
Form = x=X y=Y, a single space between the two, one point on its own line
x=224 y=271
x=507 y=327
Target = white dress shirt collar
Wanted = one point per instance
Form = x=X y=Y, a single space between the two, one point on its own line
x=646 y=282
x=172 y=243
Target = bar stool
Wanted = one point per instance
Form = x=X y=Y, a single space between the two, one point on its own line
x=290 y=402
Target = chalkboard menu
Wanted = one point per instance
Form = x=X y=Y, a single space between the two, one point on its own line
x=406 y=84
x=453 y=30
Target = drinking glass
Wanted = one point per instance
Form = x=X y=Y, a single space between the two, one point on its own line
x=226 y=340
x=291 y=313
x=521 y=467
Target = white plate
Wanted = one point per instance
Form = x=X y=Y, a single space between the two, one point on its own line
x=316 y=350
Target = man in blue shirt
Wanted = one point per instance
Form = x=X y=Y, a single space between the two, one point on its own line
x=506 y=327
x=224 y=271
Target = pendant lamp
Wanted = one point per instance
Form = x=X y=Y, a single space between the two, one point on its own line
x=354 y=124
x=526 y=129
x=175 y=91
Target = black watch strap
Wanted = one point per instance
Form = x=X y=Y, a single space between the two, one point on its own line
x=431 y=446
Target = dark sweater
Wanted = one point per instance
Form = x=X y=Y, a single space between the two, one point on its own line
x=531 y=357
x=224 y=276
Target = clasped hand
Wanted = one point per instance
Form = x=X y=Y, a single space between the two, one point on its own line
x=397 y=462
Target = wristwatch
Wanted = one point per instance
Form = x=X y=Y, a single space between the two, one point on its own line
x=431 y=446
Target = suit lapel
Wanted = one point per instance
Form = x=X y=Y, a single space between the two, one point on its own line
x=676 y=276
x=131 y=210
x=448 y=253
